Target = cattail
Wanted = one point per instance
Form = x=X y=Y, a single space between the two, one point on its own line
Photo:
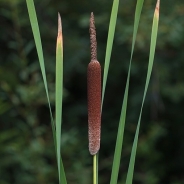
x=94 y=93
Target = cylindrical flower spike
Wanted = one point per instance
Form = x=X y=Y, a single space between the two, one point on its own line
x=94 y=94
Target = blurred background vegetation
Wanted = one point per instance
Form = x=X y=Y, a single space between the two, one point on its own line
x=26 y=145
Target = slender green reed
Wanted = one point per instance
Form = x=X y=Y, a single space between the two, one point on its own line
x=150 y=66
x=110 y=38
x=59 y=91
x=37 y=39
x=120 y=134
x=55 y=129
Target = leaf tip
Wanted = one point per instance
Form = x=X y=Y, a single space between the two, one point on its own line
x=157 y=8
x=59 y=37
x=59 y=25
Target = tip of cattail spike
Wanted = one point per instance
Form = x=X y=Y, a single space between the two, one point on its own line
x=92 y=31
x=92 y=21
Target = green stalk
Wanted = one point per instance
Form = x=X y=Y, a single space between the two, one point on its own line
x=95 y=169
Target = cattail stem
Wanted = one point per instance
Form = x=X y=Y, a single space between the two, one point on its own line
x=94 y=94
x=94 y=169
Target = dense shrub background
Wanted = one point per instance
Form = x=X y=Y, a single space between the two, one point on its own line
x=26 y=146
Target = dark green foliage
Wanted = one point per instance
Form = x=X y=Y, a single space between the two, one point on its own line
x=26 y=145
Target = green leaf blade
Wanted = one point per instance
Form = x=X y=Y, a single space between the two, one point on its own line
x=120 y=134
x=150 y=66
x=58 y=100
x=37 y=39
x=110 y=39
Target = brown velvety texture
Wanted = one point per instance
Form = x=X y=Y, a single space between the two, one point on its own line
x=94 y=105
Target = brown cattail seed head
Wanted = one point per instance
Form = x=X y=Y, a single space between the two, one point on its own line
x=94 y=106
x=94 y=93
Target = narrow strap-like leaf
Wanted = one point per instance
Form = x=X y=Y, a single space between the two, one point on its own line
x=120 y=134
x=110 y=39
x=59 y=94
x=150 y=65
x=37 y=38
